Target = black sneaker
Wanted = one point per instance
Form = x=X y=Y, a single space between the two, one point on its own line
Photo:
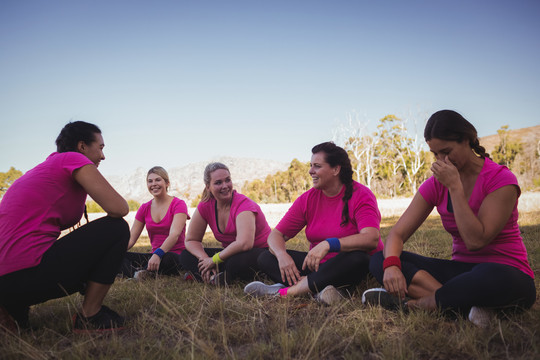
x=6 y=321
x=104 y=321
x=379 y=296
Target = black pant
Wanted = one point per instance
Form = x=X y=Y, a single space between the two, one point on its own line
x=170 y=263
x=93 y=252
x=344 y=269
x=241 y=266
x=466 y=285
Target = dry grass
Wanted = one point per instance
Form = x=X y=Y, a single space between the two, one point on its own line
x=172 y=319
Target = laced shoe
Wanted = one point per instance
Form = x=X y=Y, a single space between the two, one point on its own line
x=218 y=279
x=259 y=289
x=329 y=296
x=189 y=277
x=6 y=321
x=481 y=317
x=106 y=320
x=380 y=297
x=142 y=275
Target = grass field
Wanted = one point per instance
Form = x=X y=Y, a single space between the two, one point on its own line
x=168 y=318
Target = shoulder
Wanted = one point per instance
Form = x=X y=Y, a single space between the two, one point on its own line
x=178 y=204
x=496 y=176
x=242 y=202
x=68 y=160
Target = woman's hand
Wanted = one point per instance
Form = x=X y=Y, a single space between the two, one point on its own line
x=445 y=172
x=394 y=282
x=287 y=267
x=315 y=255
x=207 y=268
x=153 y=263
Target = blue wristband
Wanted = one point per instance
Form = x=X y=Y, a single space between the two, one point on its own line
x=335 y=245
x=159 y=252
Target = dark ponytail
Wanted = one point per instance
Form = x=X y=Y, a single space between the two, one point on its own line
x=334 y=156
x=73 y=132
x=449 y=125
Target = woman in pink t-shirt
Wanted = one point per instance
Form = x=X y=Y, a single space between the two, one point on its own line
x=35 y=264
x=236 y=221
x=165 y=220
x=477 y=201
x=342 y=222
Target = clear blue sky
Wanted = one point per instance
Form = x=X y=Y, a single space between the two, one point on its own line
x=175 y=82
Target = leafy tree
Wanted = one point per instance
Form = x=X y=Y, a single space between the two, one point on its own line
x=133 y=205
x=93 y=207
x=7 y=178
x=506 y=151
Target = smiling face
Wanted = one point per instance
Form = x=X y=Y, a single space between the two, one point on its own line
x=221 y=186
x=458 y=153
x=94 y=150
x=157 y=186
x=324 y=176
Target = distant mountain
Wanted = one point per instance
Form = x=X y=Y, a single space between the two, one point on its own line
x=187 y=181
x=528 y=136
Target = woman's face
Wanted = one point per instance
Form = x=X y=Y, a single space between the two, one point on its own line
x=321 y=172
x=221 y=186
x=458 y=153
x=156 y=185
x=94 y=150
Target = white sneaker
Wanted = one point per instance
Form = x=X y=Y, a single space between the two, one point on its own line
x=329 y=296
x=481 y=317
x=258 y=289
x=142 y=275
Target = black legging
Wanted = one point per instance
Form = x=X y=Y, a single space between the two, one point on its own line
x=241 y=266
x=93 y=252
x=465 y=285
x=170 y=263
x=344 y=269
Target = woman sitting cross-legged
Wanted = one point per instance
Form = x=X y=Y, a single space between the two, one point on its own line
x=342 y=222
x=165 y=220
x=236 y=221
x=477 y=201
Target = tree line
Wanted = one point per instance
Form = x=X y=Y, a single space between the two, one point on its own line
x=392 y=161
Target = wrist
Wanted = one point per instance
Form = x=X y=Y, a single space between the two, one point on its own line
x=159 y=252
x=335 y=245
x=217 y=259
x=391 y=261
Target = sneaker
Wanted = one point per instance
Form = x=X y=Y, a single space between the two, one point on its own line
x=329 y=296
x=189 y=277
x=6 y=321
x=481 y=317
x=105 y=320
x=379 y=296
x=258 y=289
x=218 y=279
x=142 y=275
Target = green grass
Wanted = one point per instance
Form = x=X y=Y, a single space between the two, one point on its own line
x=172 y=319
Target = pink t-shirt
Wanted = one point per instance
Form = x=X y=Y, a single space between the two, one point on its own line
x=321 y=215
x=240 y=203
x=37 y=207
x=507 y=248
x=158 y=232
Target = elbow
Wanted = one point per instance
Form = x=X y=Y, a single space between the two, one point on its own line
x=119 y=211
x=246 y=246
x=476 y=245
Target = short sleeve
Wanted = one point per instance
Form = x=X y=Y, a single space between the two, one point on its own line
x=295 y=219
x=180 y=207
x=431 y=191
x=141 y=213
